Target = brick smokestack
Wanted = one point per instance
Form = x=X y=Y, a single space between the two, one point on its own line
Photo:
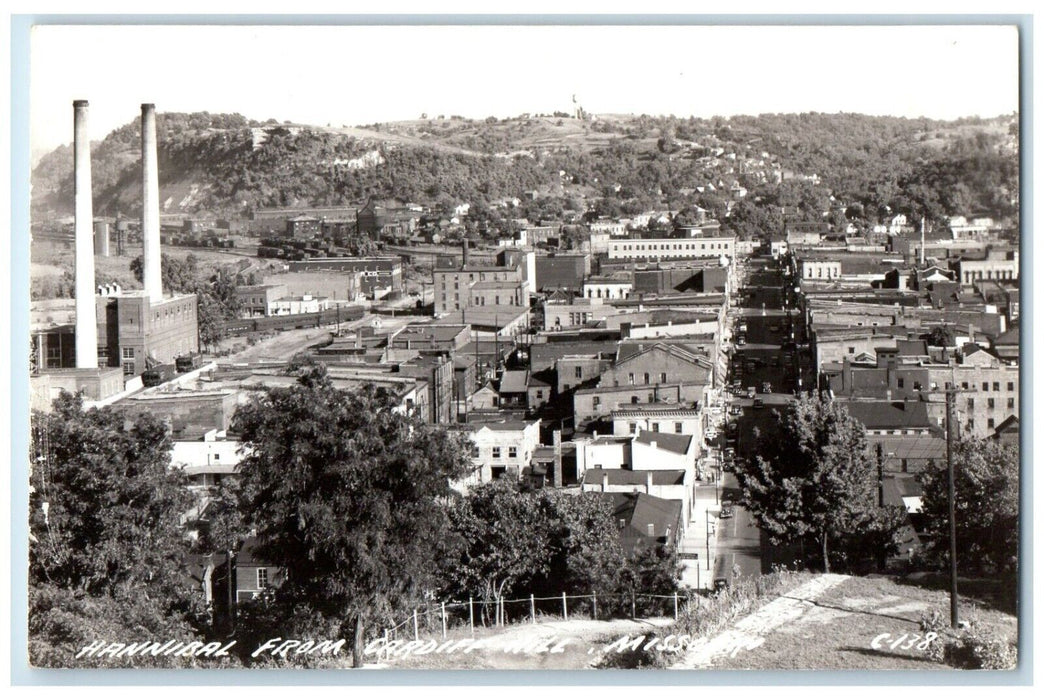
x=150 y=221
x=86 y=312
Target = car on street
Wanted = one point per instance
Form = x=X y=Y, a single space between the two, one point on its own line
x=751 y=392
x=758 y=403
x=735 y=411
x=720 y=584
x=766 y=388
x=730 y=453
x=726 y=512
x=741 y=342
x=726 y=503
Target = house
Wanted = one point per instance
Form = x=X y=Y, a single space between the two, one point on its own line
x=513 y=389
x=253 y=574
x=538 y=392
x=1007 y=432
x=645 y=520
x=501 y=449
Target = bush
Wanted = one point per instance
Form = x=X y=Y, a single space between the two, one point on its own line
x=981 y=650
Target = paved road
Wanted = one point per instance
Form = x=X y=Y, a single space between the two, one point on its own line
x=739 y=540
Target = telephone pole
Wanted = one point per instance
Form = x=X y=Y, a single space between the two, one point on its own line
x=950 y=493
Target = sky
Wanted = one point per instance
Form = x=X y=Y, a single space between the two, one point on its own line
x=360 y=75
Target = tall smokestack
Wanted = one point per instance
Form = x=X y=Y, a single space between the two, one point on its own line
x=150 y=221
x=86 y=313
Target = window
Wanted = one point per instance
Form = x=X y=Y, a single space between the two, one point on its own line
x=496 y=452
x=646 y=377
x=596 y=401
x=634 y=399
x=578 y=372
x=1011 y=403
x=990 y=403
x=262 y=578
x=632 y=428
x=513 y=452
x=476 y=452
x=651 y=529
x=985 y=386
x=656 y=427
x=901 y=382
x=128 y=353
x=971 y=404
x=540 y=394
x=851 y=350
x=996 y=386
x=989 y=422
x=630 y=378
x=1011 y=386
x=678 y=427
x=663 y=377
x=128 y=368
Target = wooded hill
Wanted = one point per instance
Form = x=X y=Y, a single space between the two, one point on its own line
x=226 y=164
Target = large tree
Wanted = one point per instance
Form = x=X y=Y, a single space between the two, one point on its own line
x=986 y=484
x=105 y=533
x=347 y=494
x=814 y=478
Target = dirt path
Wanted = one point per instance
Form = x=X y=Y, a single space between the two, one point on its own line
x=749 y=632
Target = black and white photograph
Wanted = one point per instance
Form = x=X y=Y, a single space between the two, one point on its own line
x=500 y=346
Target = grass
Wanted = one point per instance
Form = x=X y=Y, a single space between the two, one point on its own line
x=837 y=633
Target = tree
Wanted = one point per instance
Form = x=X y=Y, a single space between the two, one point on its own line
x=814 y=478
x=501 y=541
x=986 y=484
x=105 y=533
x=346 y=493
x=941 y=336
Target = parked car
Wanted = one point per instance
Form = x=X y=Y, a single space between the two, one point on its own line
x=720 y=584
x=758 y=403
x=726 y=512
x=751 y=392
x=766 y=388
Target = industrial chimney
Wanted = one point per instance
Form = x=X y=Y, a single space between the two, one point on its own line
x=150 y=221
x=86 y=312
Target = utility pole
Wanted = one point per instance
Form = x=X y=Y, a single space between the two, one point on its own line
x=880 y=476
x=953 y=522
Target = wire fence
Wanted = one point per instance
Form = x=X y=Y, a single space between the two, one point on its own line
x=439 y=619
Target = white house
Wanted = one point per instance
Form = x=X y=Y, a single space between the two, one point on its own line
x=501 y=449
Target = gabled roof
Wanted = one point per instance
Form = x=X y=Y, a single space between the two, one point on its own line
x=885 y=415
x=514 y=382
x=671 y=442
x=502 y=426
x=1008 y=337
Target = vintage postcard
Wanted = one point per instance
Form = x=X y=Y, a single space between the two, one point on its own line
x=503 y=347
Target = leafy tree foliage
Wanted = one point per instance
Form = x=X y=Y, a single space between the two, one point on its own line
x=814 y=478
x=347 y=495
x=511 y=541
x=986 y=484
x=106 y=556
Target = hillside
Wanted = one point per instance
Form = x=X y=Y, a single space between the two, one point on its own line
x=614 y=165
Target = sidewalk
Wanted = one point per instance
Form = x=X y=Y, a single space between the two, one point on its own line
x=698 y=573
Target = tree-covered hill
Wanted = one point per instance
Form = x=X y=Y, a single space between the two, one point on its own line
x=611 y=165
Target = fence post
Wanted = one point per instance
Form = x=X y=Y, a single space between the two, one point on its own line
x=503 y=616
x=594 y=597
x=444 y=618
x=633 y=614
x=532 y=608
x=565 y=609
x=387 y=655
x=676 y=605
x=471 y=614
x=416 y=630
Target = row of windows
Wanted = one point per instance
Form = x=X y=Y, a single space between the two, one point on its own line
x=647 y=377
x=676 y=246
x=655 y=427
x=972 y=275
x=991 y=403
x=512 y=452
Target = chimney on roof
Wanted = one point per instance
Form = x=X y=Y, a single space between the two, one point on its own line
x=465 y=258
x=648 y=482
x=150 y=216
x=605 y=481
x=86 y=311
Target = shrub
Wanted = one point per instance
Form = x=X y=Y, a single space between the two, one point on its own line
x=981 y=650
